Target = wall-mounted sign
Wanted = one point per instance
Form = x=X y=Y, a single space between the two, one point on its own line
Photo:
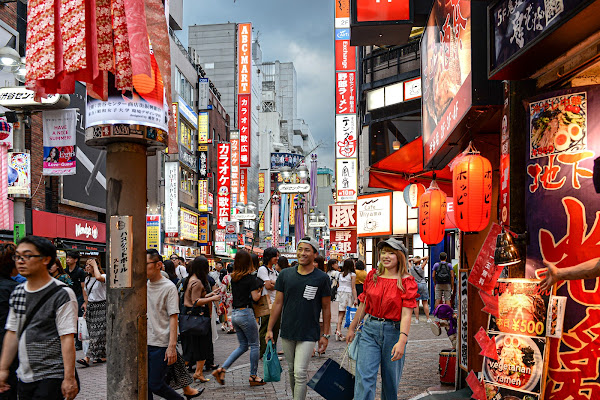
x=244 y=126
x=203 y=195
x=463 y=320
x=211 y=201
x=59 y=130
x=202 y=162
x=279 y=160
x=342 y=216
x=189 y=225
x=203 y=229
x=294 y=188
x=153 y=232
x=382 y=10
x=171 y=199
x=244 y=51
x=374 y=215
x=203 y=127
x=223 y=182
x=203 y=93
x=243 y=185
x=345 y=55
x=232 y=229
x=346 y=179
x=234 y=140
x=19 y=174
x=346 y=142
x=342 y=13
x=19 y=97
x=345 y=98
x=121 y=251
x=446 y=72
x=345 y=240
x=188 y=113
x=412 y=89
x=187 y=158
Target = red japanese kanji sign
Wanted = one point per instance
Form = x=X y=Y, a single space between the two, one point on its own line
x=342 y=216
x=345 y=92
x=485 y=272
x=223 y=184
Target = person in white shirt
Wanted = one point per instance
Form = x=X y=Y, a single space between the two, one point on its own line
x=346 y=293
x=268 y=274
x=95 y=312
x=180 y=268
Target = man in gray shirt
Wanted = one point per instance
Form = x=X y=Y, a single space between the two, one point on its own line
x=417 y=270
x=44 y=339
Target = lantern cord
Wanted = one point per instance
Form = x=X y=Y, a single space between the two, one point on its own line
x=470 y=149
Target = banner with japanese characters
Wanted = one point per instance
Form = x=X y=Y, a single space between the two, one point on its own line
x=223 y=184
x=171 y=209
x=345 y=240
x=346 y=142
x=342 y=216
x=564 y=227
x=59 y=129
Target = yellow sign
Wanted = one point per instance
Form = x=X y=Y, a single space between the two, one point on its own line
x=203 y=127
x=203 y=195
x=189 y=225
x=153 y=232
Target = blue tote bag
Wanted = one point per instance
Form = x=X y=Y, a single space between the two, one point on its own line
x=271 y=366
x=350 y=311
x=333 y=382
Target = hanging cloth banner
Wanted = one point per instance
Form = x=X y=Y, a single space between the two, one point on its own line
x=59 y=142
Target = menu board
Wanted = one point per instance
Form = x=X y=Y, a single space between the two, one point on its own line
x=519 y=331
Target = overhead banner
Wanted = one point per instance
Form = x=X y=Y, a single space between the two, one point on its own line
x=374 y=215
x=223 y=184
x=189 y=225
x=279 y=160
x=171 y=199
x=203 y=127
x=19 y=174
x=153 y=232
x=59 y=129
x=203 y=231
x=345 y=136
x=346 y=179
x=244 y=119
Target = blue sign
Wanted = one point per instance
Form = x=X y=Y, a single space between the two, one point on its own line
x=188 y=113
x=342 y=34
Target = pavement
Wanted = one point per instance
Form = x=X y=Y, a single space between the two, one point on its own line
x=420 y=370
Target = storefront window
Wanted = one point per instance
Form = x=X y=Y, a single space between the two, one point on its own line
x=186 y=135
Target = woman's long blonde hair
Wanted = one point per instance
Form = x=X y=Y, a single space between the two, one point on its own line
x=402 y=265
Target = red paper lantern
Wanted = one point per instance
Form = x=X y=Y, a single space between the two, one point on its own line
x=412 y=194
x=472 y=188
x=432 y=215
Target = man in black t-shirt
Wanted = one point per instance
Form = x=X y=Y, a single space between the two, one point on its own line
x=302 y=293
x=77 y=275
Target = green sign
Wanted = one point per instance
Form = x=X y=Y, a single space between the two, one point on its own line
x=18 y=232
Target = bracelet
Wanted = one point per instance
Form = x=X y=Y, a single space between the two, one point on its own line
x=402 y=333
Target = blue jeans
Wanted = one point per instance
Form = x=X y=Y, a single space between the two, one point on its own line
x=157 y=371
x=246 y=329
x=376 y=343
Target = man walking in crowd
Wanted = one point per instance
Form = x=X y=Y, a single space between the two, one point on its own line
x=180 y=269
x=302 y=293
x=162 y=310
x=417 y=270
x=269 y=275
x=443 y=276
x=77 y=276
x=41 y=324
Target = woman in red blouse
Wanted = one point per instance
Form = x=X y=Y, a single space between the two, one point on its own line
x=387 y=302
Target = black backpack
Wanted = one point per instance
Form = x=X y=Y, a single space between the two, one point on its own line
x=442 y=274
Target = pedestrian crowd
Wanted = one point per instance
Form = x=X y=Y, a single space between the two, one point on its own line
x=267 y=304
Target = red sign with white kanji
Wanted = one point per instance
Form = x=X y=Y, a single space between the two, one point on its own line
x=382 y=10
x=345 y=92
x=223 y=184
x=244 y=118
x=235 y=163
x=342 y=216
x=485 y=272
x=345 y=240
x=345 y=56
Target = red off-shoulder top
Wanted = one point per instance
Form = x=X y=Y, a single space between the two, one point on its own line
x=385 y=299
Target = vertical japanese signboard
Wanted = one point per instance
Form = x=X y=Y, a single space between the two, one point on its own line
x=234 y=139
x=244 y=116
x=347 y=179
x=345 y=96
x=563 y=222
x=171 y=199
x=203 y=235
x=121 y=249
x=202 y=162
x=342 y=216
x=223 y=185
x=345 y=136
x=203 y=127
x=504 y=206
x=153 y=232
x=262 y=199
x=202 y=195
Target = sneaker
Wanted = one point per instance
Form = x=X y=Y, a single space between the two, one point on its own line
x=416 y=321
x=429 y=320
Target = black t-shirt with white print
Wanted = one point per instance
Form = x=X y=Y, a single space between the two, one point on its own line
x=302 y=295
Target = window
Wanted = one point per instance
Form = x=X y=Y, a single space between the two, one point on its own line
x=186 y=135
x=186 y=181
x=184 y=87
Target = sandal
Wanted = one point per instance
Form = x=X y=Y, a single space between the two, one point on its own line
x=99 y=361
x=219 y=375
x=256 y=381
x=200 y=377
x=83 y=362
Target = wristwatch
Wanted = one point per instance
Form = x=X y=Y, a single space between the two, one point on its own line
x=326 y=336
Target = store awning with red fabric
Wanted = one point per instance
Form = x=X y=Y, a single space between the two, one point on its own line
x=405 y=166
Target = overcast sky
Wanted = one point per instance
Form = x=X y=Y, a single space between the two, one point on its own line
x=296 y=31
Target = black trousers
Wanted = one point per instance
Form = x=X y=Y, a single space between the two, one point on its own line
x=46 y=389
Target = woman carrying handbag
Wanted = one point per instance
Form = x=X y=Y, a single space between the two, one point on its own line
x=197 y=300
x=387 y=301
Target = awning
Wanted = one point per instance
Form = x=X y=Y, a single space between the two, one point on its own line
x=405 y=166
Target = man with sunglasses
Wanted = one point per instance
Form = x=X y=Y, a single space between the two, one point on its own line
x=41 y=326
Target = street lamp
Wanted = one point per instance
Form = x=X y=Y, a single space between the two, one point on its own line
x=10 y=59
x=289 y=186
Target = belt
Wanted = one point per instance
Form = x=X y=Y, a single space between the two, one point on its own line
x=239 y=308
x=370 y=317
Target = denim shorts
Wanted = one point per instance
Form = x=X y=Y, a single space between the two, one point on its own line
x=423 y=292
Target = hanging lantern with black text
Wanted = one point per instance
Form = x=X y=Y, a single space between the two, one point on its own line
x=412 y=194
x=432 y=215
x=472 y=188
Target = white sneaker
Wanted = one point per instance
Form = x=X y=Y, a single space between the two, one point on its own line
x=428 y=320
x=416 y=321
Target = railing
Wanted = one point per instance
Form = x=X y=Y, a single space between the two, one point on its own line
x=382 y=63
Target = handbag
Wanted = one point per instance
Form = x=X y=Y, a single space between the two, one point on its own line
x=333 y=382
x=350 y=312
x=262 y=307
x=192 y=323
x=271 y=365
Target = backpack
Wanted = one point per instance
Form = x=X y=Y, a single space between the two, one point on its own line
x=442 y=274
